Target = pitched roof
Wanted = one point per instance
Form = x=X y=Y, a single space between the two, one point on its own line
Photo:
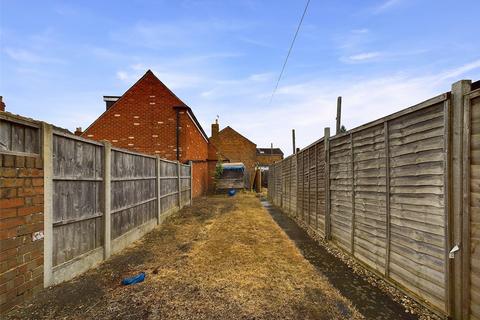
x=235 y=131
x=150 y=73
x=269 y=151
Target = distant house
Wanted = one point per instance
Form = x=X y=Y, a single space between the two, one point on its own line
x=267 y=156
x=150 y=118
x=231 y=146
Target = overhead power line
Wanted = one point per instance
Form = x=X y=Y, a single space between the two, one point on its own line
x=289 y=51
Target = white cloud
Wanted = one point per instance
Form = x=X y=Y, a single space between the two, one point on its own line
x=460 y=70
x=122 y=75
x=261 y=77
x=363 y=56
x=385 y=6
x=28 y=56
x=310 y=106
x=180 y=34
x=360 y=31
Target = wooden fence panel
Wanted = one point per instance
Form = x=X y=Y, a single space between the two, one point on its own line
x=306 y=185
x=417 y=222
x=286 y=177
x=294 y=186
x=18 y=137
x=133 y=191
x=370 y=192
x=278 y=183
x=283 y=187
x=312 y=186
x=185 y=184
x=300 y=185
x=77 y=181
x=168 y=185
x=475 y=209
x=320 y=188
x=392 y=199
x=341 y=191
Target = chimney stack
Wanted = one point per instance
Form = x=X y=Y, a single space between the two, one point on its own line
x=110 y=100
x=215 y=128
x=2 y=104
x=78 y=131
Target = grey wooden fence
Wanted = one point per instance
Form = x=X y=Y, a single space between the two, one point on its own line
x=19 y=136
x=97 y=199
x=77 y=194
x=100 y=199
x=389 y=193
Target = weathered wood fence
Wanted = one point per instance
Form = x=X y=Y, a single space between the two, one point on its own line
x=97 y=199
x=399 y=194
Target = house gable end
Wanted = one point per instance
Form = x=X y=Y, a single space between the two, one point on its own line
x=140 y=85
x=229 y=130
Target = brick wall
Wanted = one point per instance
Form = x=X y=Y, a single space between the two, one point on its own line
x=21 y=223
x=267 y=159
x=200 y=179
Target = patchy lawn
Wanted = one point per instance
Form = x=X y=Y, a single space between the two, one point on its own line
x=222 y=258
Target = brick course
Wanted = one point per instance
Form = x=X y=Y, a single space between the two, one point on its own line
x=21 y=215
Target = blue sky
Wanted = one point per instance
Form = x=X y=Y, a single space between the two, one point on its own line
x=58 y=58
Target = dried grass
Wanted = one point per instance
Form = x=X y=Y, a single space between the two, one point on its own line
x=223 y=258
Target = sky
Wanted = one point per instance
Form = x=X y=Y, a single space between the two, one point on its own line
x=58 y=59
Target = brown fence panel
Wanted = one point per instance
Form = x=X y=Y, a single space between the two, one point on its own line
x=320 y=187
x=286 y=178
x=370 y=197
x=278 y=183
x=294 y=186
x=387 y=197
x=474 y=209
x=417 y=163
x=312 y=186
x=300 y=186
x=341 y=184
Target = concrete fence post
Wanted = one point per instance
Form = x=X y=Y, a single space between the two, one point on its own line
x=179 y=187
x=158 y=189
x=47 y=149
x=107 y=215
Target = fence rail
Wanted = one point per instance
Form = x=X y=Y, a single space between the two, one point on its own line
x=388 y=194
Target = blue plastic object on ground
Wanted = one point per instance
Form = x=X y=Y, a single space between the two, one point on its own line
x=135 y=279
x=231 y=192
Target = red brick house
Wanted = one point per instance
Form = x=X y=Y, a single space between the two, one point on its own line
x=150 y=118
x=228 y=145
x=231 y=146
x=268 y=156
